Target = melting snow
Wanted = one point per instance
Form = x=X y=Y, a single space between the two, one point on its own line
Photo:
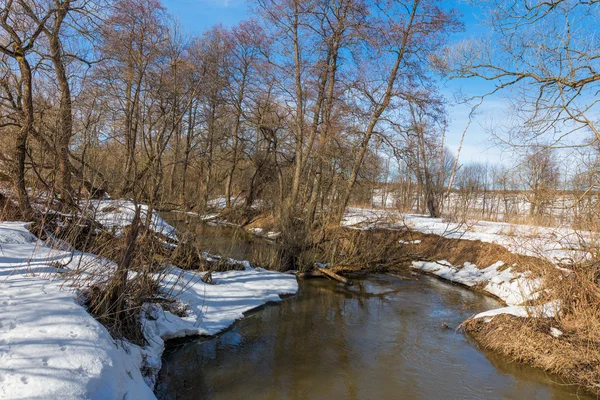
x=51 y=348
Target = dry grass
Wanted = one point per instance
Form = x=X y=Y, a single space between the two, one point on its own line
x=265 y=221
x=572 y=358
x=9 y=211
x=381 y=249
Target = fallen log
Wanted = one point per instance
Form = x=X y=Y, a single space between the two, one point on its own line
x=335 y=276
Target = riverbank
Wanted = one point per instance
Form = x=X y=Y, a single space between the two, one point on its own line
x=43 y=284
x=52 y=348
x=545 y=277
x=378 y=338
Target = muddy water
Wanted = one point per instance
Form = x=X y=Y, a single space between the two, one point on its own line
x=220 y=239
x=381 y=339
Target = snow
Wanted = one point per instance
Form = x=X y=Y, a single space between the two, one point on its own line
x=219 y=202
x=510 y=286
x=555 y=332
x=563 y=207
x=212 y=308
x=115 y=215
x=555 y=244
x=547 y=310
x=264 y=233
x=52 y=348
x=409 y=241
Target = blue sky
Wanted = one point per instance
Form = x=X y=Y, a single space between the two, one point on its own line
x=198 y=15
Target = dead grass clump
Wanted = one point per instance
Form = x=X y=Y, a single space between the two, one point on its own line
x=294 y=240
x=239 y=215
x=117 y=300
x=222 y=265
x=78 y=231
x=356 y=249
x=378 y=248
x=579 y=294
x=9 y=211
x=124 y=323
x=530 y=341
x=186 y=255
x=265 y=221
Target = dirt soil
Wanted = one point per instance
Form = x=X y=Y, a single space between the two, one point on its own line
x=378 y=250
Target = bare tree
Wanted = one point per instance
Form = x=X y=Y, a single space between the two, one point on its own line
x=404 y=34
x=19 y=37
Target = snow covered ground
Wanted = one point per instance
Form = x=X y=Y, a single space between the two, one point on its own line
x=555 y=244
x=114 y=215
x=563 y=207
x=51 y=348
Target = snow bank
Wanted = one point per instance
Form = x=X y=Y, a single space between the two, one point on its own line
x=51 y=348
x=547 y=310
x=115 y=215
x=514 y=288
x=212 y=308
x=555 y=244
x=510 y=286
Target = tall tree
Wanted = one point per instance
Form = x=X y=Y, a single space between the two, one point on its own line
x=19 y=37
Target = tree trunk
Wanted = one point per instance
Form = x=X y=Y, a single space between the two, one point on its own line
x=66 y=108
x=21 y=140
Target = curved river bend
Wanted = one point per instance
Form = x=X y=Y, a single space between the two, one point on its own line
x=380 y=339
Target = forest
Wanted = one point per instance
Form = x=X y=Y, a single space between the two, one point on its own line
x=324 y=127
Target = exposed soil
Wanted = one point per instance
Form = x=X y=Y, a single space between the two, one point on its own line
x=379 y=250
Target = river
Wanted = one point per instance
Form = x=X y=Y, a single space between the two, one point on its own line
x=383 y=338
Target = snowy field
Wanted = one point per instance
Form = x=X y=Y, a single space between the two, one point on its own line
x=497 y=204
x=51 y=348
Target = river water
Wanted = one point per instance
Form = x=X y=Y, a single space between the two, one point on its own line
x=380 y=339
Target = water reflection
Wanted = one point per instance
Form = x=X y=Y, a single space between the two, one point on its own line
x=221 y=239
x=382 y=339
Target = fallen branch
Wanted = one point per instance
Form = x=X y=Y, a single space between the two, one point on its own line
x=335 y=276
